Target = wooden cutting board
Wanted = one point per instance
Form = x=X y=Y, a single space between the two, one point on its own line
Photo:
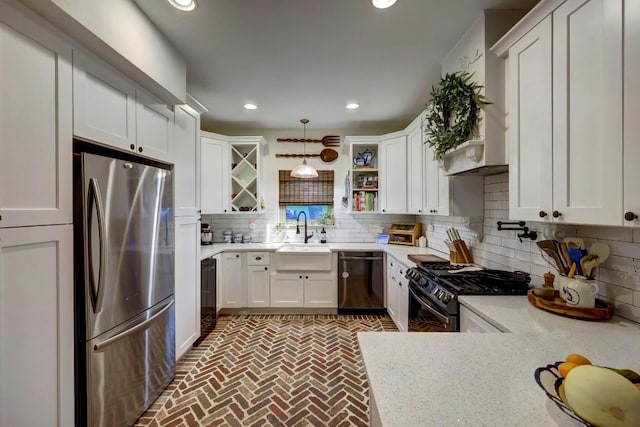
x=419 y=258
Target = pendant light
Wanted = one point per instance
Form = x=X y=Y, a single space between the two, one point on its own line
x=304 y=170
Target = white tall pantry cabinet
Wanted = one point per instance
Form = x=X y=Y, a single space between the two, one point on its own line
x=36 y=235
x=187 y=227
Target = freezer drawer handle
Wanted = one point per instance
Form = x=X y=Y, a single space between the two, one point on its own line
x=96 y=290
x=128 y=332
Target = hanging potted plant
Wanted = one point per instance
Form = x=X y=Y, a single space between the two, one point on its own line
x=453 y=112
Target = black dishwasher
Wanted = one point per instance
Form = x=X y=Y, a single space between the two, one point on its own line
x=361 y=283
x=208 y=287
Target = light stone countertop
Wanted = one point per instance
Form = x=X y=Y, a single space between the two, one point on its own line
x=467 y=379
x=397 y=251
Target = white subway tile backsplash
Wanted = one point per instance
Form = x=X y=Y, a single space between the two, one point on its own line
x=503 y=249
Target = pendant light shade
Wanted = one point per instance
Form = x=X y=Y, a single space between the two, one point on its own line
x=304 y=170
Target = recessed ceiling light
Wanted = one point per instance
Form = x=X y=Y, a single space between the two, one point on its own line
x=185 y=5
x=250 y=106
x=383 y=4
x=353 y=105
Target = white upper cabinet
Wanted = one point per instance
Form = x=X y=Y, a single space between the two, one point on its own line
x=104 y=104
x=215 y=176
x=187 y=161
x=450 y=195
x=530 y=136
x=631 y=108
x=393 y=173
x=154 y=127
x=35 y=124
x=587 y=112
x=415 y=166
x=109 y=109
x=565 y=113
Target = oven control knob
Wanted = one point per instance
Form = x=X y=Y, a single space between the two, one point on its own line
x=446 y=298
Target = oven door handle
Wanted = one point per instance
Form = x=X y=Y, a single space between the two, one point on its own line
x=444 y=318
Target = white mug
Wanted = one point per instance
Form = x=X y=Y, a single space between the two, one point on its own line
x=580 y=293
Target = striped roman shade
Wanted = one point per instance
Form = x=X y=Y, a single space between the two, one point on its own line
x=306 y=191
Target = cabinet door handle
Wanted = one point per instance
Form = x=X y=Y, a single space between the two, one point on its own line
x=306 y=277
x=629 y=216
x=258 y=258
x=140 y=149
x=556 y=214
x=300 y=277
x=237 y=255
x=133 y=147
x=542 y=214
x=266 y=268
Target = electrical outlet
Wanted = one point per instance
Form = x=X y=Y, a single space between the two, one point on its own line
x=635 y=266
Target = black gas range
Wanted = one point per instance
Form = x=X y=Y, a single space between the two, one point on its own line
x=434 y=289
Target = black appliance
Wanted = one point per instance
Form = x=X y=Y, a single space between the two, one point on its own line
x=361 y=283
x=434 y=289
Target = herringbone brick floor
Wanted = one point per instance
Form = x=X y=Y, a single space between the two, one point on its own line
x=272 y=370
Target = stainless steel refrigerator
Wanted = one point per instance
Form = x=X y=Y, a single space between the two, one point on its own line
x=124 y=248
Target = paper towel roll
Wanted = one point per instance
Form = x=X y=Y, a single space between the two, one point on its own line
x=267 y=234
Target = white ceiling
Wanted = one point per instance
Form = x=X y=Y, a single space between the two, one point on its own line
x=309 y=58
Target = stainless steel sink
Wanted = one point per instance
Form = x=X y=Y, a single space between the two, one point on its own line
x=303 y=257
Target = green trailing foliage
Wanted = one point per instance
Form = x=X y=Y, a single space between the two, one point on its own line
x=453 y=112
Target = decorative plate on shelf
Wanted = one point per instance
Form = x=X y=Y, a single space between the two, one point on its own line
x=549 y=380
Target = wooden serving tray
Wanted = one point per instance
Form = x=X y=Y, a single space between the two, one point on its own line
x=602 y=310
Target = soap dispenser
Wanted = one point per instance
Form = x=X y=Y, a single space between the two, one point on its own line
x=323 y=236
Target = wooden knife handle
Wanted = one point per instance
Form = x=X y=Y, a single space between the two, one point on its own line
x=466 y=254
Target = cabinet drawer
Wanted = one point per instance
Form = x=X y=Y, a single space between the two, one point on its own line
x=258 y=258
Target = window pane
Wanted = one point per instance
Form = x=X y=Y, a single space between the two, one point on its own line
x=313 y=212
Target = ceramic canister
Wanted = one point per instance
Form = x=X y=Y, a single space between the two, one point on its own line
x=579 y=292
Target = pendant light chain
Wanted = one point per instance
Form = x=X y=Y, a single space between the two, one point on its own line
x=304 y=136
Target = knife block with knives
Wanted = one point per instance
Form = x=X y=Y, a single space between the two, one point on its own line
x=458 y=250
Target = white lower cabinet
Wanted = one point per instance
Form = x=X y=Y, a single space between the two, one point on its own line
x=320 y=290
x=258 y=279
x=397 y=293
x=36 y=326
x=233 y=285
x=187 y=282
x=287 y=290
x=471 y=322
x=302 y=289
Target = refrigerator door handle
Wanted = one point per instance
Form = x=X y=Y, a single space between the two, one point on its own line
x=96 y=291
x=139 y=326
